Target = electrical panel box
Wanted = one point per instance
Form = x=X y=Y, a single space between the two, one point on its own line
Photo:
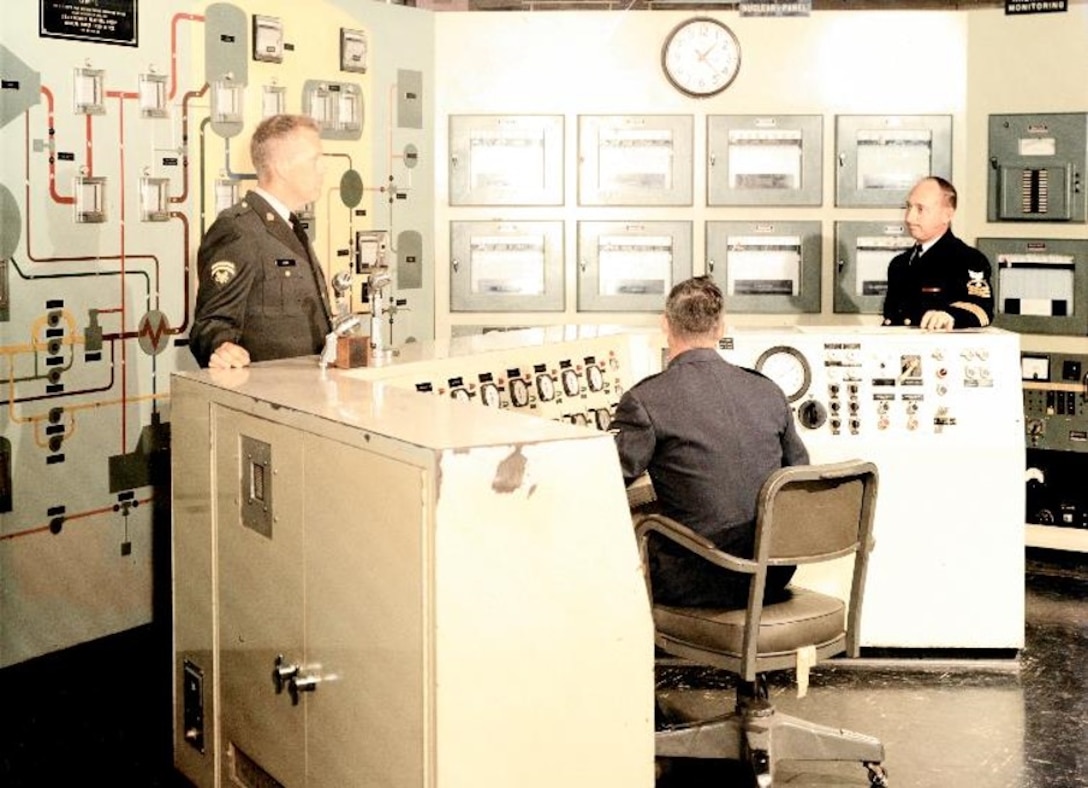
x=881 y=157
x=267 y=38
x=273 y=100
x=635 y=159
x=506 y=160
x=764 y=160
x=1037 y=166
x=506 y=266
x=153 y=96
x=766 y=266
x=631 y=266
x=1040 y=284
x=862 y=253
x=336 y=107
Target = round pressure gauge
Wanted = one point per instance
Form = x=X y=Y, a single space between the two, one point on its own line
x=459 y=394
x=489 y=395
x=571 y=386
x=519 y=392
x=787 y=367
x=545 y=387
x=594 y=377
x=701 y=57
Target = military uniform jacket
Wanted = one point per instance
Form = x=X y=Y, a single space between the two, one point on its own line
x=709 y=433
x=951 y=277
x=260 y=287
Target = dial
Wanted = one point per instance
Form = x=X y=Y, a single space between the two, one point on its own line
x=701 y=57
x=489 y=395
x=787 y=367
x=594 y=377
x=519 y=392
x=545 y=387
x=571 y=386
x=460 y=394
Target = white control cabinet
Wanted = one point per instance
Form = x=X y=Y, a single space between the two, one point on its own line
x=379 y=587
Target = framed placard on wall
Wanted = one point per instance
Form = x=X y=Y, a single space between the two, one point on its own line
x=97 y=21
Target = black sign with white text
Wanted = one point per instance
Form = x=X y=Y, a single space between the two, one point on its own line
x=1036 y=6
x=100 y=21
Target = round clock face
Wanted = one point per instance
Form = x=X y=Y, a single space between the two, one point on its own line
x=701 y=56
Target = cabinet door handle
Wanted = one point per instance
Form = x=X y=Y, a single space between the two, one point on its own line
x=282 y=673
x=301 y=683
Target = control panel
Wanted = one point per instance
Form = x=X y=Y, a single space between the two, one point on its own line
x=575 y=375
x=941 y=416
x=847 y=386
x=1056 y=437
x=1055 y=401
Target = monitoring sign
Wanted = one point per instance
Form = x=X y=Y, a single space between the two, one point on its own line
x=1036 y=6
x=99 y=21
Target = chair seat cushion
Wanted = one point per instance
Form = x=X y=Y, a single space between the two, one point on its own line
x=801 y=617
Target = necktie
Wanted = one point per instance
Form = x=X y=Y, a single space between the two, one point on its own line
x=300 y=232
x=915 y=253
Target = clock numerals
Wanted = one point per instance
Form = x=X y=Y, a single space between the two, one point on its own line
x=701 y=56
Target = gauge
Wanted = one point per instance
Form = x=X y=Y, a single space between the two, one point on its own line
x=545 y=387
x=787 y=367
x=459 y=394
x=579 y=419
x=571 y=386
x=489 y=395
x=519 y=392
x=602 y=417
x=594 y=377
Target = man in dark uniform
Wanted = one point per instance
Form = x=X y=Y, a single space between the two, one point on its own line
x=709 y=433
x=262 y=293
x=942 y=283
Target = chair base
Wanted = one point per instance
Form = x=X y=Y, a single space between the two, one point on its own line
x=760 y=736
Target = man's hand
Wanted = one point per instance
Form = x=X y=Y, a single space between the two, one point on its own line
x=228 y=356
x=936 y=320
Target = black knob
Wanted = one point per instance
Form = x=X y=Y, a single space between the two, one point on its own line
x=811 y=414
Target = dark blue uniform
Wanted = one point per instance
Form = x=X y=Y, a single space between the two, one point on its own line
x=259 y=287
x=951 y=277
x=709 y=433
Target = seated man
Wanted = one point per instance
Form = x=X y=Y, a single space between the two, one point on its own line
x=709 y=433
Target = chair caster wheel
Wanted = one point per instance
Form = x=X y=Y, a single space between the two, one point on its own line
x=760 y=763
x=878 y=776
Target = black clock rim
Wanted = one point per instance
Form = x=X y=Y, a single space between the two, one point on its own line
x=672 y=34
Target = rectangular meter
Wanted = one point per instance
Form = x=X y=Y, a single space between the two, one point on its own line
x=766 y=266
x=1040 y=284
x=631 y=266
x=882 y=156
x=764 y=160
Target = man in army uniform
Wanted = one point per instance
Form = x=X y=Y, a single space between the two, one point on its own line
x=262 y=293
x=941 y=283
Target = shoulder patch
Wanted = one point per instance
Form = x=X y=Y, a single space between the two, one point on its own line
x=222 y=271
x=977 y=285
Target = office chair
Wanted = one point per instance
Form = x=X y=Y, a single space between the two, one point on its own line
x=805 y=514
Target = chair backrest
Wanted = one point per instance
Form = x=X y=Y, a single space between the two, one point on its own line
x=807 y=514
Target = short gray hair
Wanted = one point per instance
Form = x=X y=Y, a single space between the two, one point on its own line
x=271 y=130
x=694 y=307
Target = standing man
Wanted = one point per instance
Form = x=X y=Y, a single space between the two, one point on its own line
x=941 y=283
x=262 y=293
x=709 y=433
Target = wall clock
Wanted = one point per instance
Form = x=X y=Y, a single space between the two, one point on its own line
x=701 y=57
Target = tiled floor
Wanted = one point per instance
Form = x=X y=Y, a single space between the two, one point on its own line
x=100 y=713
x=1020 y=723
